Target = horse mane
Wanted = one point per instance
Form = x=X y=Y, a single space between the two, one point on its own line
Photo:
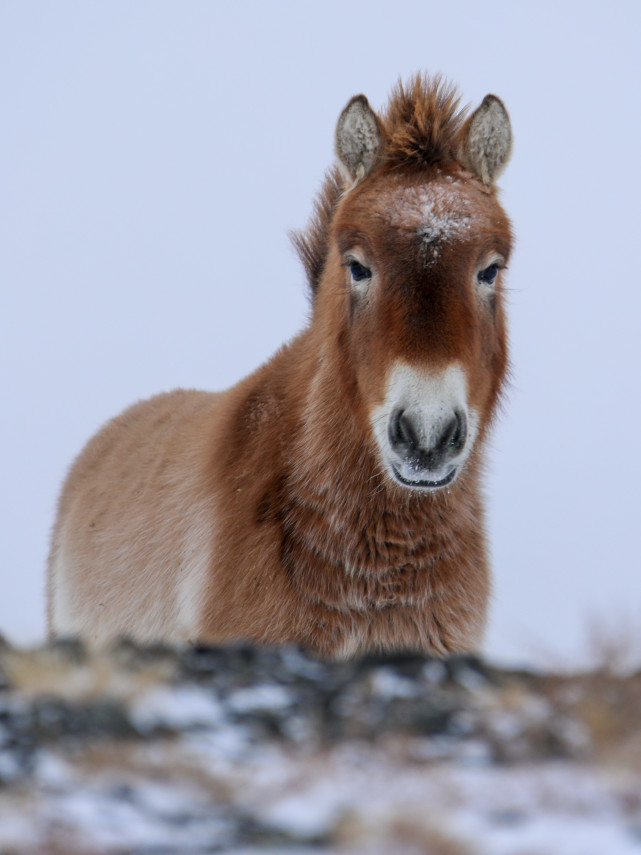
x=312 y=243
x=422 y=123
x=421 y=127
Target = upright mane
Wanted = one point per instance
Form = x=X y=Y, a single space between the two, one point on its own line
x=421 y=127
x=312 y=243
x=422 y=123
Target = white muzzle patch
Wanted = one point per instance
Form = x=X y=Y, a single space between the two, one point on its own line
x=425 y=429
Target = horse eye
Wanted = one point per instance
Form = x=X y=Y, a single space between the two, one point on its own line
x=359 y=272
x=488 y=276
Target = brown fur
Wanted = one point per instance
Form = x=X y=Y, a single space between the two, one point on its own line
x=313 y=244
x=265 y=512
x=422 y=123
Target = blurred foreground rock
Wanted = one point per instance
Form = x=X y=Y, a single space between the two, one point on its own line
x=199 y=750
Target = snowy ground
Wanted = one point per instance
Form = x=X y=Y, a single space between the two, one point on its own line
x=249 y=752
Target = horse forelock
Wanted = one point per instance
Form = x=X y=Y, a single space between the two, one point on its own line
x=422 y=123
x=421 y=127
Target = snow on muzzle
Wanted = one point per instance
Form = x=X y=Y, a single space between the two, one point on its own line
x=425 y=429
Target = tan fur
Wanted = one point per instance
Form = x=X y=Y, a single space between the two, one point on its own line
x=265 y=512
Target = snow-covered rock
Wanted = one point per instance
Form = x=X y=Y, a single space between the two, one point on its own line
x=246 y=750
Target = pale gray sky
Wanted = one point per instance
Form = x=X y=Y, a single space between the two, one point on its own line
x=153 y=156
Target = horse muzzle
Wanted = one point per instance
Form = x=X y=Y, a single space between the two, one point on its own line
x=426 y=456
x=425 y=429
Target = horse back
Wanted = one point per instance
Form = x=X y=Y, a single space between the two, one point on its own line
x=132 y=540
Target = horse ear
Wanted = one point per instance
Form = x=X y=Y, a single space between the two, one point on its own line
x=487 y=139
x=358 y=139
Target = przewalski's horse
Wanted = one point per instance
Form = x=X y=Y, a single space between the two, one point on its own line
x=331 y=498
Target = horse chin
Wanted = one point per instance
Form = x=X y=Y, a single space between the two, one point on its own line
x=423 y=482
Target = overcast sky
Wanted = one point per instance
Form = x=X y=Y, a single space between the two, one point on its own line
x=153 y=156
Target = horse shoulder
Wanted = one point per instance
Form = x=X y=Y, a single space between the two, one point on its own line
x=248 y=594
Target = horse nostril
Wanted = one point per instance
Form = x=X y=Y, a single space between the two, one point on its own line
x=455 y=432
x=447 y=440
x=401 y=432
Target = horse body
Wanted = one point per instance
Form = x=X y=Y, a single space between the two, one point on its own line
x=332 y=498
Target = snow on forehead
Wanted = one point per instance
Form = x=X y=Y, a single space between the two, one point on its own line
x=437 y=211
